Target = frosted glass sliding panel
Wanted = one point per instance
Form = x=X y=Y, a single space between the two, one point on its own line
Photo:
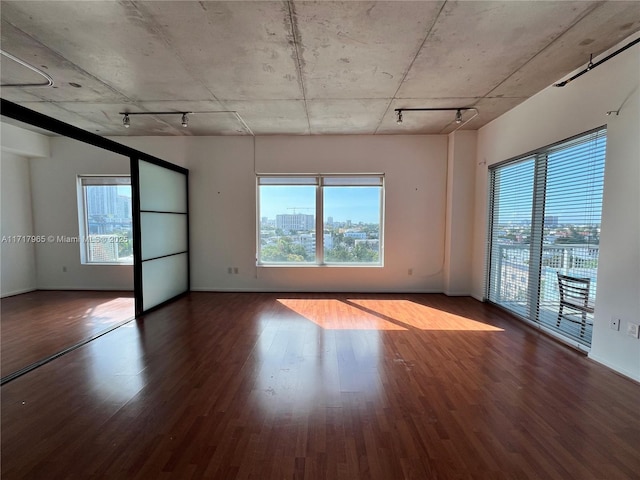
x=163 y=279
x=163 y=234
x=161 y=189
x=163 y=271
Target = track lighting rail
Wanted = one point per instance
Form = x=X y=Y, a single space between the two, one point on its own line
x=458 y=110
x=591 y=65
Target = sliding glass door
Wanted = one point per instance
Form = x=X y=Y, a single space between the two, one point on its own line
x=511 y=207
x=161 y=265
x=545 y=211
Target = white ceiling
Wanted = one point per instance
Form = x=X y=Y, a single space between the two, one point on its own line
x=297 y=67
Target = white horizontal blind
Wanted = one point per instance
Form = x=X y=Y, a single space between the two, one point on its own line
x=297 y=180
x=545 y=212
x=571 y=230
x=90 y=180
x=360 y=181
x=510 y=235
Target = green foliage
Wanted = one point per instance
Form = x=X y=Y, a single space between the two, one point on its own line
x=361 y=253
x=284 y=250
x=125 y=243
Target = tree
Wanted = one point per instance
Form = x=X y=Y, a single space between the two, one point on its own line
x=339 y=253
x=364 y=253
x=284 y=250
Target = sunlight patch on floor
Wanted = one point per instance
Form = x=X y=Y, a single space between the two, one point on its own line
x=359 y=314
x=332 y=314
x=421 y=316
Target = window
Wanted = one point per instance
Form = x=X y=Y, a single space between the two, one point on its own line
x=545 y=211
x=105 y=219
x=347 y=210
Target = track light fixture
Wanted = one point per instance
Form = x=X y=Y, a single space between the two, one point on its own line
x=184 y=117
x=458 y=110
x=126 y=121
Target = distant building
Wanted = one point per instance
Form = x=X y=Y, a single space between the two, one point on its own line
x=107 y=211
x=308 y=241
x=295 y=222
x=373 y=243
x=102 y=200
x=551 y=221
x=359 y=235
x=124 y=207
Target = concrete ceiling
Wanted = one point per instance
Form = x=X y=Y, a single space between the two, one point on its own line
x=297 y=67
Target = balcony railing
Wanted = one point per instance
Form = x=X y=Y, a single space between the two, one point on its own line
x=510 y=281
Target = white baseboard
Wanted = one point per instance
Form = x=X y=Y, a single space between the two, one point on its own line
x=107 y=288
x=17 y=292
x=622 y=371
x=298 y=290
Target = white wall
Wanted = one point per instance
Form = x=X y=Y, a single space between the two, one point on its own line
x=558 y=113
x=18 y=259
x=55 y=212
x=23 y=142
x=223 y=210
x=170 y=149
x=460 y=211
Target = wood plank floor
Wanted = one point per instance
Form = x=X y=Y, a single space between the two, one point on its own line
x=265 y=386
x=39 y=324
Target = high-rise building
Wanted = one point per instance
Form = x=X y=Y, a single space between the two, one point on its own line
x=102 y=200
x=295 y=222
x=124 y=207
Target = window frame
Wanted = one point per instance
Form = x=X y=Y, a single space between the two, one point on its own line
x=320 y=181
x=542 y=186
x=86 y=180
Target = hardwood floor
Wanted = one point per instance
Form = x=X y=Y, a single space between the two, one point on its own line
x=39 y=324
x=292 y=386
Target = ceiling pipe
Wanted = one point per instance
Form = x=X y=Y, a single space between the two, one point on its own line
x=47 y=83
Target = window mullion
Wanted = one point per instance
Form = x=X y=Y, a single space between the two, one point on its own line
x=319 y=223
x=537 y=234
x=85 y=219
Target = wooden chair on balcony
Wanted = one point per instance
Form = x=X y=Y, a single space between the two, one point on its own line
x=574 y=300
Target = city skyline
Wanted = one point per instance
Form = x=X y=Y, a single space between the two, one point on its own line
x=357 y=204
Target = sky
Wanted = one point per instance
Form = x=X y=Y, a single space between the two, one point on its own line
x=358 y=204
x=573 y=190
x=124 y=190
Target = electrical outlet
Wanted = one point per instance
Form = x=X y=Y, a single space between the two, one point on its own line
x=235 y=270
x=230 y=270
x=632 y=329
x=64 y=269
x=410 y=272
x=614 y=323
